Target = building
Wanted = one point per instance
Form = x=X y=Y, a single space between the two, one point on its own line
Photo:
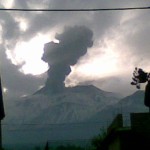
x=135 y=136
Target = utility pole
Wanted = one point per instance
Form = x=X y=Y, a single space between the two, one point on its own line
x=0 y=136
x=2 y=114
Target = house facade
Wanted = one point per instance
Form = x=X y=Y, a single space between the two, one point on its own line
x=135 y=136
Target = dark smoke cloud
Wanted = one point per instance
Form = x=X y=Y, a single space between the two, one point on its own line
x=73 y=44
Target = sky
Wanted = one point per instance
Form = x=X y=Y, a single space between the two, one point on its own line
x=120 y=43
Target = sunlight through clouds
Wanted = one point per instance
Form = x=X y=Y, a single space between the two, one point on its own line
x=1 y=30
x=100 y=61
x=23 y=24
x=7 y=3
x=28 y=55
x=107 y=58
x=121 y=39
x=5 y=90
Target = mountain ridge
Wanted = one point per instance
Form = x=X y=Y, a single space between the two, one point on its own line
x=81 y=101
x=69 y=115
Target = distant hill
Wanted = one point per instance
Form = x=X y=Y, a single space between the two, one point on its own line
x=74 y=104
x=130 y=104
x=76 y=113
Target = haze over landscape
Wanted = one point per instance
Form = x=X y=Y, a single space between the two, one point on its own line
x=71 y=67
x=120 y=43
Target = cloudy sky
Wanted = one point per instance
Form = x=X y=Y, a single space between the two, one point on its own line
x=120 y=43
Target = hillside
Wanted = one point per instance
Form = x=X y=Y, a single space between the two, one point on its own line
x=76 y=113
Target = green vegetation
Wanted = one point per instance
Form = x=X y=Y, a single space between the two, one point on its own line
x=94 y=144
x=97 y=141
x=68 y=147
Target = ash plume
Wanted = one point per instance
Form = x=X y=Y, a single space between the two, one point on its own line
x=73 y=44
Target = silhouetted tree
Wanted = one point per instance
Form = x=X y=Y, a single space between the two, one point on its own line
x=46 y=146
x=37 y=148
x=97 y=141
x=140 y=76
x=68 y=147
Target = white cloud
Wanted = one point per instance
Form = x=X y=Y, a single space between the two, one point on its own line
x=28 y=55
x=5 y=90
x=7 y=3
x=121 y=37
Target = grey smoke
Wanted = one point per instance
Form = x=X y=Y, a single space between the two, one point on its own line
x=73 y=44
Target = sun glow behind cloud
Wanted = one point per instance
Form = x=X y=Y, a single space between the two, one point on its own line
x=97 y=66
x=5 y=90
x=23 y=24
x=100 y=62
x=28 y=55
x=7 y=3
x=101 y=65
x=109 y=57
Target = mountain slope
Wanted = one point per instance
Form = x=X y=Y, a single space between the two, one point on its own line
x=130 y=104
x=60 y=116
x=73 y=105
x=77 y=113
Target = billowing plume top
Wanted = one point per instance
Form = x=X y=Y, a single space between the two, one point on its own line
x=73 y=44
